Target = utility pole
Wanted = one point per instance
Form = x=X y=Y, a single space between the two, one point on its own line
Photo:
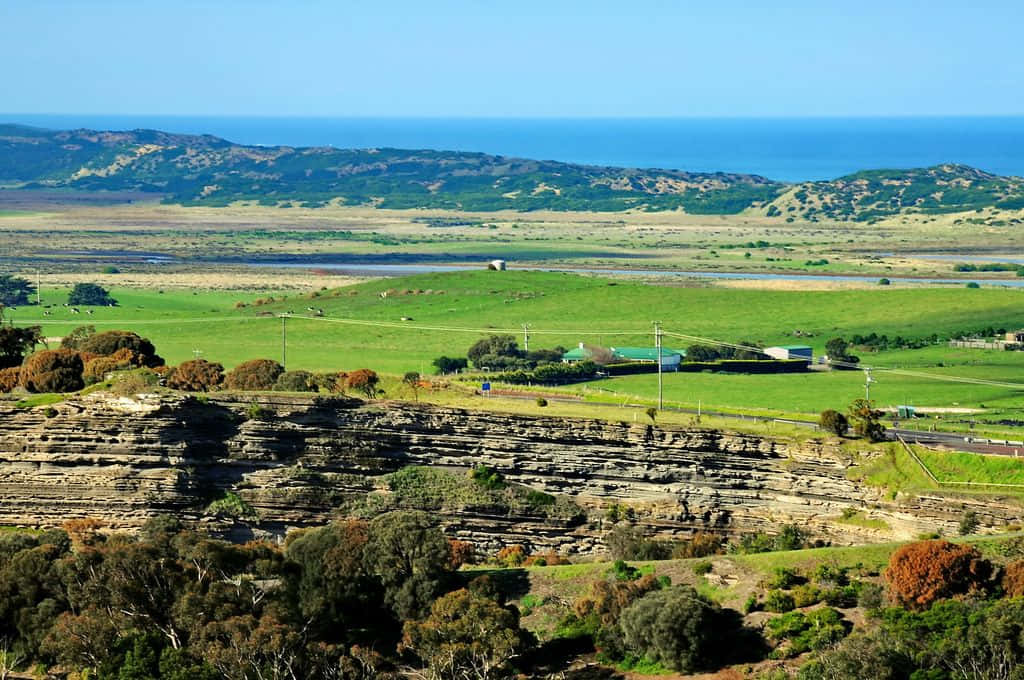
x=657 y=343
x=526 y=337
x=867 y=384
x=284 y=341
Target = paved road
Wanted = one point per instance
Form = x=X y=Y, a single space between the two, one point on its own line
x=960 y=442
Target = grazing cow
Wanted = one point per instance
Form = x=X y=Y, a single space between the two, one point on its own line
x=319 y=312
x=74 y=310
x=88 y=311
x=47 y=313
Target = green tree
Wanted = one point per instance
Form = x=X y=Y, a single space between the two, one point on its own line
x=411 y=558
x=330 y=581
x=76 y=338
x=838 y=350
x=495 y=351
x=15 y=291
x=412 y=381
x=16 y=342
x=833 y=421
x=295 y=381
x=676 y=627
x=866 y=420
x=445 y=365
x=466 y=635
x=702 y=353
x=90 y=294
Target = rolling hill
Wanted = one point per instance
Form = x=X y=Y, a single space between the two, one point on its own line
x=202 y=169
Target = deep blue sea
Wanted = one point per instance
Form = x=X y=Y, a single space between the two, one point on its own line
x=788 y=149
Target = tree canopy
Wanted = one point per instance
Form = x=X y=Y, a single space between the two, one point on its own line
x=90 y=294
x=15 y=291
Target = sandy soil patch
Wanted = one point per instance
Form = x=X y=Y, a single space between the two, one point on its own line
x=252 y=279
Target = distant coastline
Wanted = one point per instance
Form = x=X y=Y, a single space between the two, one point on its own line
x=782 y=149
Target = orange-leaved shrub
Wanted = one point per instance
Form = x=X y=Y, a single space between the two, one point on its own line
x=9 y=378
x=364 y=380
x=254 y=375
x=462 y=552
x=921 y=573
x=1013 y=579
x=197 y=375
x=109 y=342
x=52 y=370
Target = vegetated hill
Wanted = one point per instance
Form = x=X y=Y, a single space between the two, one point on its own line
x=874 y=194
x=204 y=169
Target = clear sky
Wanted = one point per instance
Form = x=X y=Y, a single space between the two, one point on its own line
x=546 y=58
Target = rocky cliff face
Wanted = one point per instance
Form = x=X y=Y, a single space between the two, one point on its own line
x=296 y=460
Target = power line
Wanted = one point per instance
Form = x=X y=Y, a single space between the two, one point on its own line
x=532 y=331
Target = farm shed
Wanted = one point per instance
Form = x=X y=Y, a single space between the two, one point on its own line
x=784 y=352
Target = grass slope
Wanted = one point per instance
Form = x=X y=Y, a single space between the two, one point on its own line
x=565 y=309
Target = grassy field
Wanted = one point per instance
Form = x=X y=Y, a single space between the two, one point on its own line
x=447 y=312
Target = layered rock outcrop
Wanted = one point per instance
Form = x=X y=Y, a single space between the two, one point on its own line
x=296 y=460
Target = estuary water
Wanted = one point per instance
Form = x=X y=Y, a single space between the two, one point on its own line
x=785 y=149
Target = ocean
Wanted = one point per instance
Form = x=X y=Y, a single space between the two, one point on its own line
x=786 y=149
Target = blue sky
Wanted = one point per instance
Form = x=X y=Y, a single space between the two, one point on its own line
x=508 y=59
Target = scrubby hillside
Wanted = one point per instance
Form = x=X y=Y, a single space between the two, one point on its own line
x=193 y=169
x=875 y=194
x=204 y=169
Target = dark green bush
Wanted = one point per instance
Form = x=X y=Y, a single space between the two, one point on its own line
x=295 y=381
x=676 y=627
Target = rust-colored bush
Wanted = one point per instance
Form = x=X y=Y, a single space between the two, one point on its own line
x=52 y=370
x=701 y=545
x=511 y=556
x=364 y=380
x=462 y=552
x=1013 y=579
x=920 y=573
x=254 y=375
x=9 y=378
x=83 y=532
x=97 y=369
x=88 y=356
x=197 y=375
x=606 y=599
x=109 y=342
x=129 y=357
x=548 y=559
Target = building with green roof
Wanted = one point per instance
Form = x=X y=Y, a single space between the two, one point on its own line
x=670 y=358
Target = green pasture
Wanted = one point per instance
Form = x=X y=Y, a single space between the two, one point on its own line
x=447 y=312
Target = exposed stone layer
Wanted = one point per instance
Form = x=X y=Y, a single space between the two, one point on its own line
x=123 y=460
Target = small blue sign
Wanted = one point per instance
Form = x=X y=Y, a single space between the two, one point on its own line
x=486 y=387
